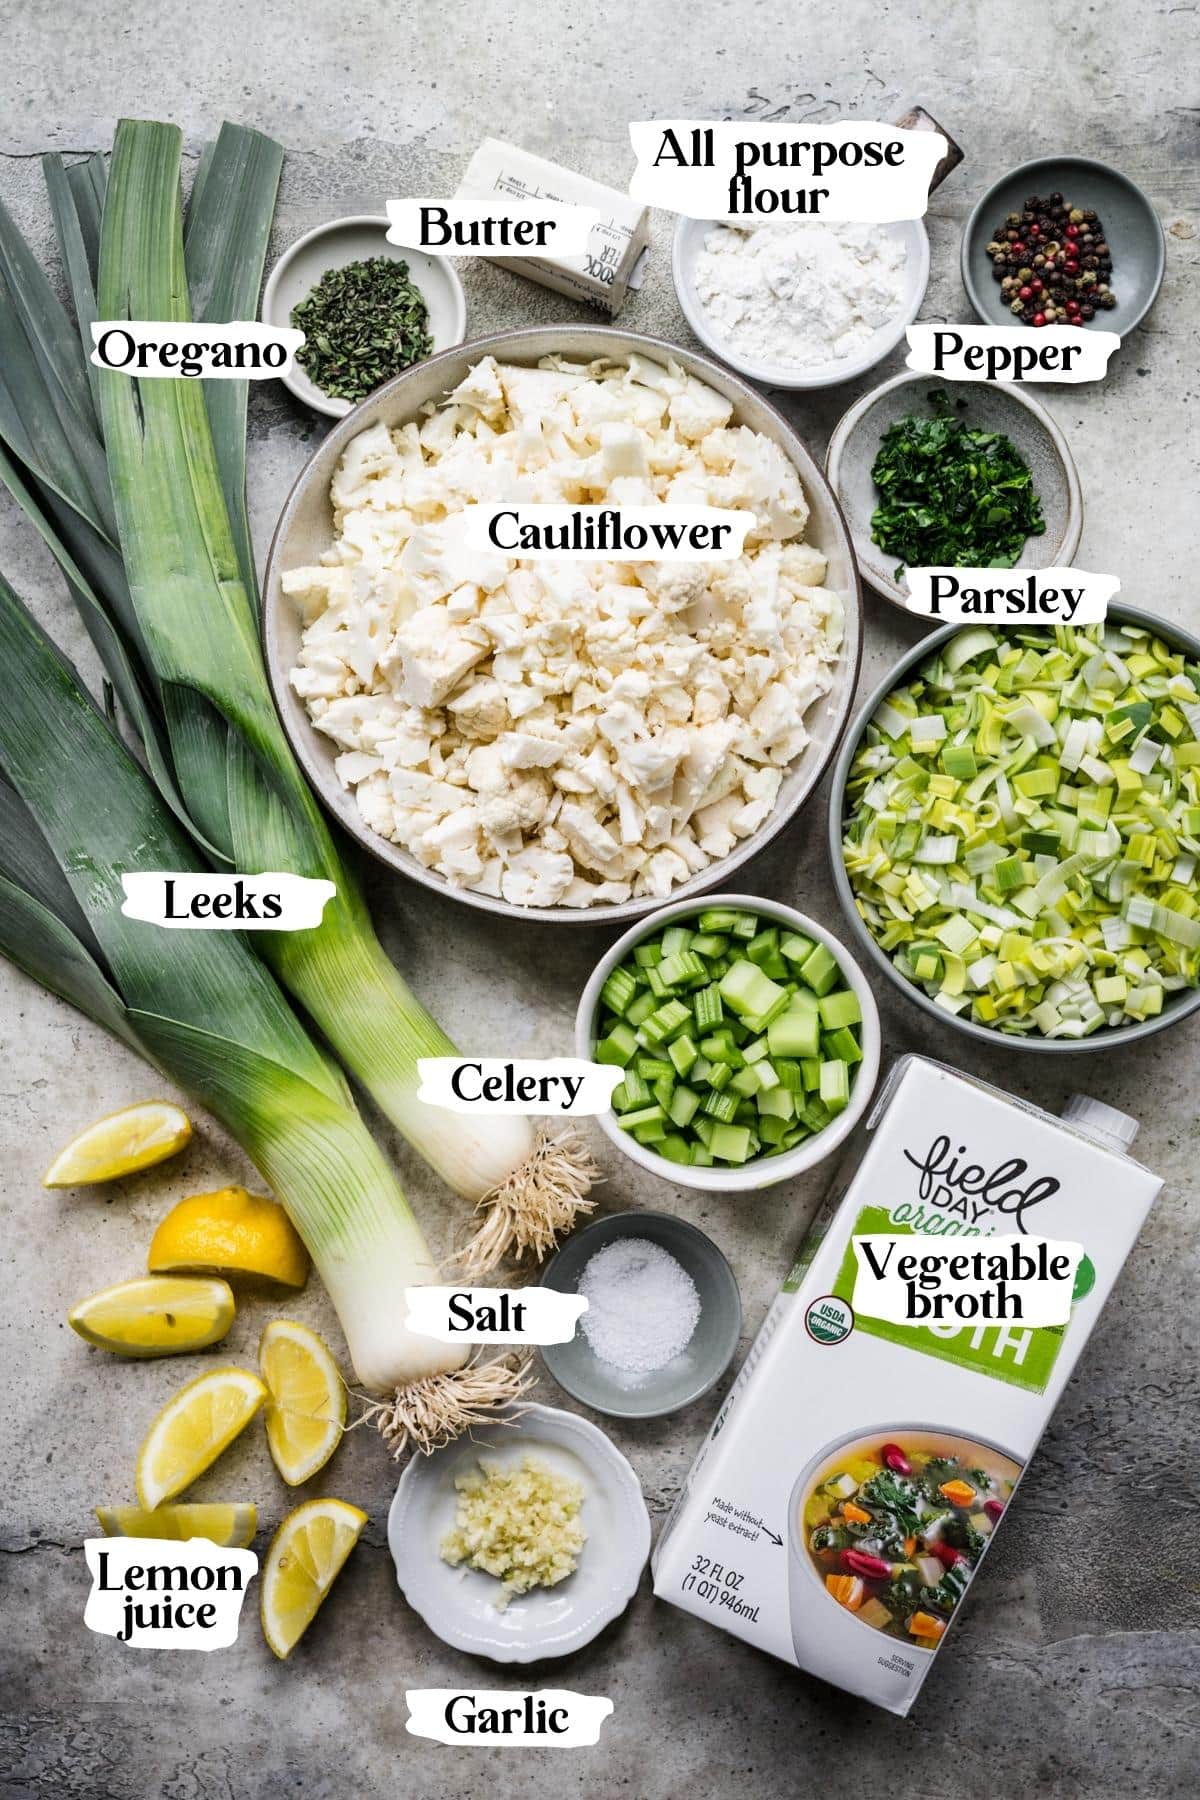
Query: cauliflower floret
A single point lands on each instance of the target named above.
(435, 654)
(537, 878)
(698, 410)
(479, 710)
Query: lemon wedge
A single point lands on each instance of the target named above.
(305, 1558)
(155, 1315)
(120, 1144)
(230, 1232)
(232, 1525)
(306, 1405)
(192, 1429)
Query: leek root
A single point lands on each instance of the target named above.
(428, 1413)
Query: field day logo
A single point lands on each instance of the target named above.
(971, 1193)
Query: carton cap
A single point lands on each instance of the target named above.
(1098, 1120)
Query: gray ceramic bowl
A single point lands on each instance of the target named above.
(696, 1369)
(1177, 1006)
(995, 406)
(357, 239)
(1131, 227)
(305, 530)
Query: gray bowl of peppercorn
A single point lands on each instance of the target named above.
(1063, 240)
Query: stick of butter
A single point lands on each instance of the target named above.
(609, 267)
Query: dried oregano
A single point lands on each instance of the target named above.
(362, 324)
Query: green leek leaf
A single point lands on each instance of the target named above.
(225, 248)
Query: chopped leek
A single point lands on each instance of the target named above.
(1013, 884)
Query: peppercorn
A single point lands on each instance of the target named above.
(1054, 250)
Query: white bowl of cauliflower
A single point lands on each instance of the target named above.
(561, 739)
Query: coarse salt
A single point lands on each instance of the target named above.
(642, 1305)
(797, 296)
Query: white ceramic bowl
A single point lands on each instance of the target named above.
(457, 1604)
(349, 240)
(689, 242)
(767, 1171)
(305, 532)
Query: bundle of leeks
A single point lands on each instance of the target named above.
(139, 488)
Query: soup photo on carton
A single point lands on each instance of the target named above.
(880, 1519)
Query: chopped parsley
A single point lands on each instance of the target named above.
(952, 494)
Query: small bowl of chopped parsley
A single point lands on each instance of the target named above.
(970, 476)
(368, 310)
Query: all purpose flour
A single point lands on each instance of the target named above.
(796, 296)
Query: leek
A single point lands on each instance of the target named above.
(207, 1013)
(144, 508)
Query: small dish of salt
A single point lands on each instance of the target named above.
(663, 1315)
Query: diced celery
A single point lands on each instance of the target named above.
(744, 925)
(720, 1106)
(644, 1115)
(653, 1132)
(747, 991)
(630, 1093)
(841, 1008)
(619, 990)
(841, 1045)
(763, 944)
(717, 918)
(675, 1148)
(794, 1033)
(788, 1073)
(683, 1054)
(620, 1046)
(795, 947)
(835, 1086)
(707, 1008)
(684, 1105)
(778, 1103)
(731, 1143)
(819, 969)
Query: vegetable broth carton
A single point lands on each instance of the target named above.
(858, 1469)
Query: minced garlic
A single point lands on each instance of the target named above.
(519, 1523)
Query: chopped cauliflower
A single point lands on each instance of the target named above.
(558, 732)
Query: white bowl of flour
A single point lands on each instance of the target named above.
(801, 304)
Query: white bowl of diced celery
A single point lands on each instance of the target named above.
(747, 1037)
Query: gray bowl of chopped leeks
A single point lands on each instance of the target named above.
(306, 530)
(1177, 1005)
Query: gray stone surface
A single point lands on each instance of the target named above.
(1075, 1670)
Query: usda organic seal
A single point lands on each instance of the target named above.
(829, 1320)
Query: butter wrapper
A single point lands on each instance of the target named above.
(611, 264)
